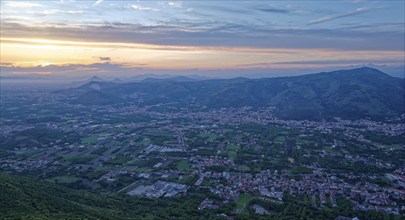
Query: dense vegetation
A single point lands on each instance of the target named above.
(27, 198)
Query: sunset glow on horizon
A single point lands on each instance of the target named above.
(155, 35)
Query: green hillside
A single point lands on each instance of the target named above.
(28, 198)
(25, 198)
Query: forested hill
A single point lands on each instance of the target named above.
(22, 197)
(27, 198)
(352, 94)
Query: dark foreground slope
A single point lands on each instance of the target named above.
(27, 198)
(353, 94)
(24, 198)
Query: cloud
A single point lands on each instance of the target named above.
(209, 10)
(16, 4)
(105, 58)
(73, 12)
(139, 7)
(54, 11)
(345, 61)
(71, 69)
(335, 17)
(175, 4)
(6, 64)
(97, 2)
(273, 10)
(210, 33)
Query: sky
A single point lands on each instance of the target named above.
(210, 38)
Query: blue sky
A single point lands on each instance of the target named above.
(261, 38)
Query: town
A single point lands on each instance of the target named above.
(244, 156)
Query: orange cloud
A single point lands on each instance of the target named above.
(41, 52)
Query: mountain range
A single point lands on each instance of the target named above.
(351, 94)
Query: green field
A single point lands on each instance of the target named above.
(302, 141)
(232, 155)
(257, 169)
(279, 139)
(33, 153)
(243, 201)
(243, 168)
(328, 149)
(89, 140)
(129, 168)
(64, 179)
(144, 169)
(79, 159)
(301, 170)
(183, 165)
(232, 147)
(144, 142)
(111, 150)
(209, 136)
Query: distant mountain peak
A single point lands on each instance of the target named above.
(356, 72)
(118, 80)
(170, 79)
(367, 69)
(91, 79)
(96, 78)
